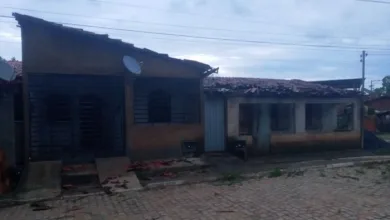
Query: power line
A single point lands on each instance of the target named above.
(154, 23)
(225, 39)
(168, 25)
(173, 25)
(374, 1)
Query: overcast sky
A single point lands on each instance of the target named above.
(273, 24)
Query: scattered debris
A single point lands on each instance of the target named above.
(168, 174)
(40, 206)
(68, 187)
(141, 166)
(107, 190)
(108, 179)
(74, 208)
(360, 171)
(295, 173)
(348, 177)
(123, 186)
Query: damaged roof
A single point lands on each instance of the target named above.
(27, 20)
(16, 66)
(238, 86)
(355, 83)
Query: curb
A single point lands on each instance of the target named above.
(368, 160)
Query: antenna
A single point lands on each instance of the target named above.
(132, 65)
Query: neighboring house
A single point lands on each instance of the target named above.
(380, 104)
(81, 102)
(10, 91)
(278, 115)
(381, 107)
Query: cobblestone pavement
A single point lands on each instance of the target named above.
(344, 193)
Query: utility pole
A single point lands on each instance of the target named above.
(362, 108)
(363, 60)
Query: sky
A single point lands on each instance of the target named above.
(270, 38)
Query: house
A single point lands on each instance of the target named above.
(275, 116)
(380, 104)
(81, 102)
(10, 127)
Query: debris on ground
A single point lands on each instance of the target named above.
(107, 190)
(74, 208)
(40, 206)
(348, 177)
(295, 173)
(142, 166)
(168, 174)
(68, 187)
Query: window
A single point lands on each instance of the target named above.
(246, 119)
(58, 108)
(166, 100)
(159, 107)
(313, 116)
(282, 117)
(345, 117)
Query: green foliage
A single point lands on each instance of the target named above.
(275, 173)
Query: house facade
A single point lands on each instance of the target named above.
(275, 116)
(81, 102)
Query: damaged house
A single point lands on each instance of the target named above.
(81, 102)
(275, 116)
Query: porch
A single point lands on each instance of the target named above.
(294, 124)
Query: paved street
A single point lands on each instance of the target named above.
(344, 193)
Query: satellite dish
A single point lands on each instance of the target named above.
(132, 65)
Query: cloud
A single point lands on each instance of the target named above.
(338, 23)
(10, 36)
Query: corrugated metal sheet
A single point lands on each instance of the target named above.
(214, 124)
(75, 116)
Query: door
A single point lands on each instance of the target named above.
(75, 118)
(214, 124)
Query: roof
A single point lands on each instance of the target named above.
(239, 86)
(373, 99)
(342, 83)
(28, 20)
(16, 66)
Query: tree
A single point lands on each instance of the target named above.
(379, 91)
(386, 85)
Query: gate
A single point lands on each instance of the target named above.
(75, 118)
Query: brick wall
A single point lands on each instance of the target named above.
(49, 50)
(54, 51)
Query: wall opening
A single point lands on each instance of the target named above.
(345, 117)
(246, 122)
(282, 118)
(313, 117)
